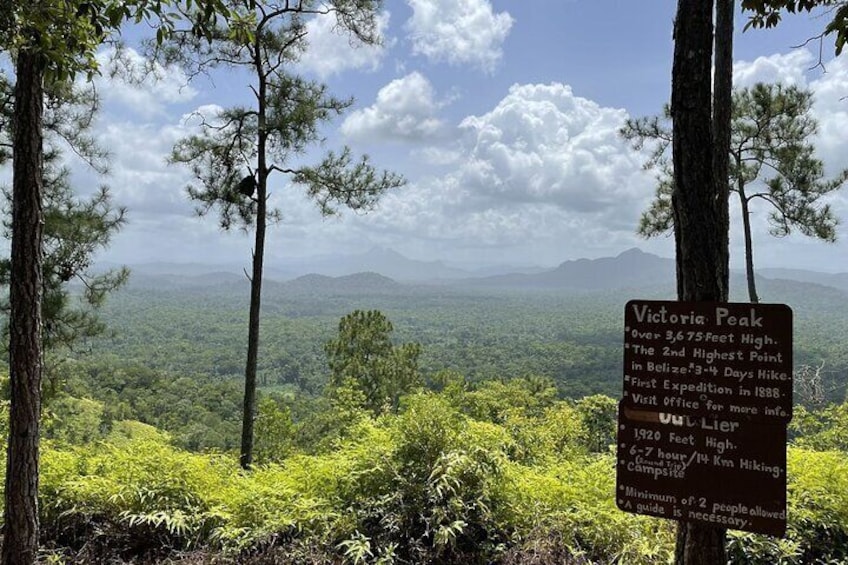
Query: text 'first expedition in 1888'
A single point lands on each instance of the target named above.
(702, 422)
(721, 360)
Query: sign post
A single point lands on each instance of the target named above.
(702, 423)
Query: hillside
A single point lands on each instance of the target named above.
(630, 269)
(562, 325)
(507, 439)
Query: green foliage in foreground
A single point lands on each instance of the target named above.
(429, 484)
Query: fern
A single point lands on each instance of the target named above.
(357, 549)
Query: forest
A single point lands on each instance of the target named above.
(571, 339)
(500, 448)
(251, 418)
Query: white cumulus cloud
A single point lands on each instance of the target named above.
(789, 68)
(543, 144)
(405, 109)
(466, 32)
(542, 166)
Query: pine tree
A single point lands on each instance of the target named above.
(239, 150)
(698, 223)
(364, 358)
(772, 160)
(74, 228)
(50, 41)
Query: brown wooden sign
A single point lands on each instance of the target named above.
(722, 360)
(729, 473)
(702, 424)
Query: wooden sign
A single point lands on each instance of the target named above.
(724, 360)
(702, 423)
(726, 473)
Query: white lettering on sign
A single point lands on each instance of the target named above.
(723, 318)
(646, 314)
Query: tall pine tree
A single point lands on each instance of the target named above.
(771, 161)
(50, 42)
(241, 149)
(74, 228)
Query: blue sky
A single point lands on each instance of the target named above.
(501, 115)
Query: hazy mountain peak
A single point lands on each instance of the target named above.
(368, 277)
(632, 252)
(630, 269)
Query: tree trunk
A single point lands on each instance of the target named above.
(698, 237)
(699, 544)
(722, 108)
(249, 408)
(20, 543)
(749, 246)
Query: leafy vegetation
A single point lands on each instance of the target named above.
(768, 13)
(502, 473)
(492, 464)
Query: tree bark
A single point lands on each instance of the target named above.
(698, 237)
(722, 108)
(249, 407)
(749, 246)
(20, 542)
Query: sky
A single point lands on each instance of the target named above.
(502, 116)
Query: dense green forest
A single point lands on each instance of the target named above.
(140, 463)
(169, 347)
(501, 452)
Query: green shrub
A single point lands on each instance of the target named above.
(73, 420)
(432, 501)
(429, 484)
(568, 508)
(821, 430)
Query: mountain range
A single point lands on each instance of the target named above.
(387, 262)
(384, 268)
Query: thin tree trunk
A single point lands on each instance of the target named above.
(749, 246)
(698, 238)
(722, 108)
(249, 408)
(20, 543)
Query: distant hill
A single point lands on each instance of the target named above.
(159, 268)
(631, 269)
(803, 297)
(358, 283)
(836, 280)
(174, 281)
(381, 260)
(200, 270)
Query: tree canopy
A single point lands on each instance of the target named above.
(74, 228)
(772, 159)
(67, 33)
(768, 13)
(364, 358)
